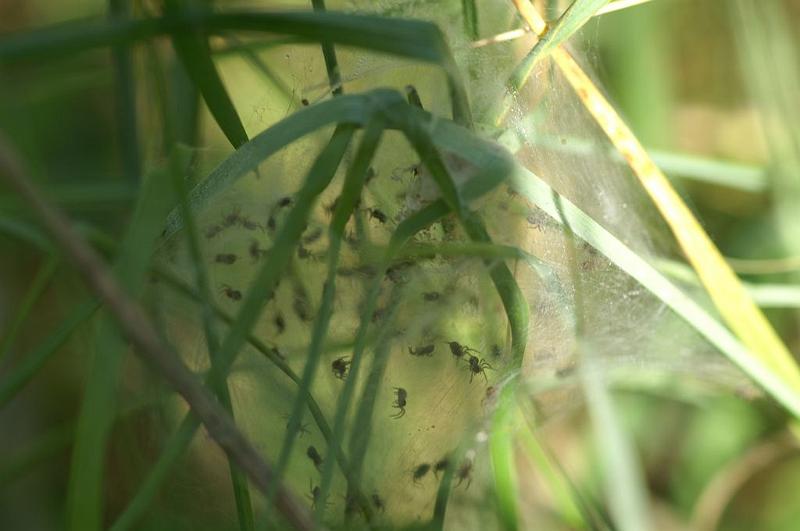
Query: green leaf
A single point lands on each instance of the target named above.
(412, 39)
(195, 54)
(85, 492)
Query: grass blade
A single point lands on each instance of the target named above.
(573, 19)
(411, 39)
(30, 365)
(195, 53)
(37, 287)
(84, 495)
(126, 98)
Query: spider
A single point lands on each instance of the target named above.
(249, 224)
(225, 258)
(478, 366)
(458, 350)
(233, 294)
(255, 251)
(280, 323)
(440, 466)
(213, 230)
(229, 220)
(374, 213)
(420, 471)
(313, 454)
(399, 402)
(339, 367)
(312, 236)
(464, 472)
(426, 350)
(378, 502)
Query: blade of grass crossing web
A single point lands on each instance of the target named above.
(419, 40)
(85, 492)
(329, 54)
(501, 451)
(540, 194)
(470, 13)
(719, 280)
(345, 206)
(37, 287)
(573, 19)
(362, 423)
(241, 490)
(195, 53)
(125, 97)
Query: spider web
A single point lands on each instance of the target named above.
(636, 340)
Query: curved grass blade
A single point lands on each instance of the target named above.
(195, 53)
(37, 287)
(345, 206)
(719, 280)
(30, 365)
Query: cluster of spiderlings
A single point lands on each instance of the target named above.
(462, 473)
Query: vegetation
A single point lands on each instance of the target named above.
(399, 264)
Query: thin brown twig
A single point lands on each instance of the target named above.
(138, 329)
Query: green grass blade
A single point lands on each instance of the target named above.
(411, 39)
(85, 493)
(470, 12)
(126, 98)
(540, 194)
(573, 19)
(195, 54)
(329, 53)
(562, 489)
(31, 363)
(37, 287)
(501, 450)
(174, 450)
